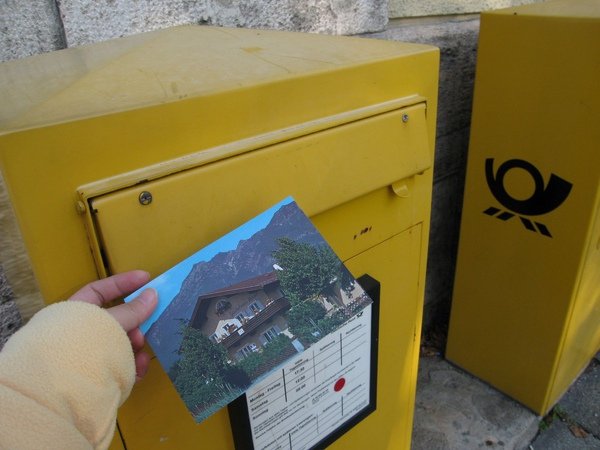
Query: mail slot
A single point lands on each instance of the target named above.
(147, 148)
(526, 306)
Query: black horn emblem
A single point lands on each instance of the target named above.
(544, 199)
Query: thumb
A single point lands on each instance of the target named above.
(131, 315)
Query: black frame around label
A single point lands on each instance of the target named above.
(238, 409)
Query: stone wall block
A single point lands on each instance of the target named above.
(29, 27)
(87, 22)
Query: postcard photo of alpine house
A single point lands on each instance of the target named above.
(237, 309)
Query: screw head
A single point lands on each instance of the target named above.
(404, 117)
(145, 198)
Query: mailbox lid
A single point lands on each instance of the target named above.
(321, 170)
(170, 65)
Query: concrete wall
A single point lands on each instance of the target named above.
(86, 22)
(38, 26)
(28, 28)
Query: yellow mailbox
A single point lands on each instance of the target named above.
(217, 125)
(526, 307)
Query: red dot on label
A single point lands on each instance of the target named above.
(339, 384)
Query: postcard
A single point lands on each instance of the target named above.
(239, 309)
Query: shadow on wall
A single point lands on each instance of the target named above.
(19, 294)
(457, 39)
(10, 319)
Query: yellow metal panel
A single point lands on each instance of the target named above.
(172, 65)
(582, 334)
(402, 277)
(155, 417)
(561, 9)
(193, 207)
(219, 124)
(518, 292)
(362, 232)
(46, 157)
(117, 442)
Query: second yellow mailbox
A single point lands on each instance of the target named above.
(526, 306)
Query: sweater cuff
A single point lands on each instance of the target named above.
(75, 360)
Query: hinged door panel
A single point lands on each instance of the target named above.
(155, 224)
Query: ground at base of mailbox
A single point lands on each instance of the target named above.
(455, 410)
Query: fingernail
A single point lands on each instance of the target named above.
(147, 297)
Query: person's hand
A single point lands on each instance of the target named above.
(129, 315)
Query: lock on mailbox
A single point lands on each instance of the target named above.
(152, 146)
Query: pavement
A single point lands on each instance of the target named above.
(456, 411)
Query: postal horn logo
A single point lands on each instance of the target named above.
(546, 197)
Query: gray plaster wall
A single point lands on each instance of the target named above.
(29, 27)
(37, 26)
(86, 22)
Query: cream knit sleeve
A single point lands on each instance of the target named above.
(62, 378)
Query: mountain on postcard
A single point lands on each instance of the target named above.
(252, 257)
(239, 308)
